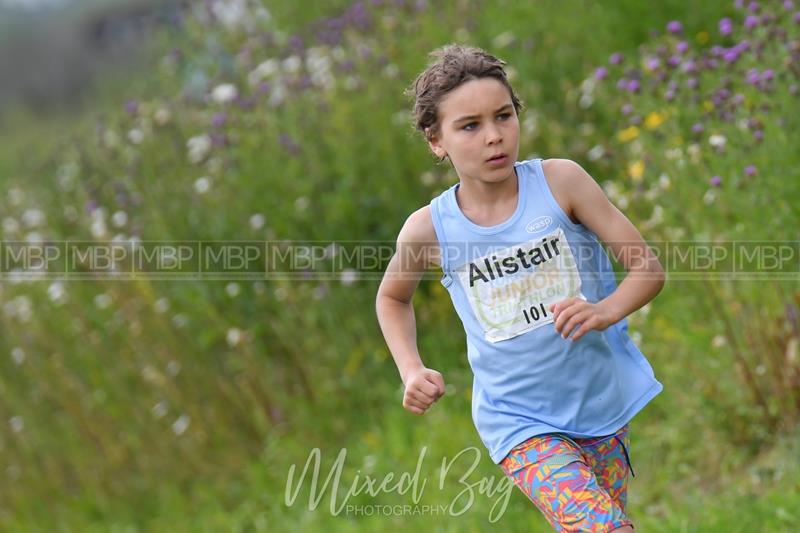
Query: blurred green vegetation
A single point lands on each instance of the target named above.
(147, 405)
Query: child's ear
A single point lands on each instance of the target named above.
(435, 146)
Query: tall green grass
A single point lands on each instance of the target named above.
(161, 404)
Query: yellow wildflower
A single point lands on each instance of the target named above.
(677, 140)
(708, 105)
(654, 119)
(636, 170)
(628, 134)
(702, 37)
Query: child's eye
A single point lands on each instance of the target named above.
(467, 127)
(504, 115)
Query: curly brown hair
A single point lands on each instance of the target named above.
(450, 66)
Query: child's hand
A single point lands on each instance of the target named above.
(423, 387)
(573, 311)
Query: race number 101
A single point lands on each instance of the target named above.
(535, 313)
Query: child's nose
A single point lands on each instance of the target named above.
(493, 134)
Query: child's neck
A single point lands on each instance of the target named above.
(482, 201)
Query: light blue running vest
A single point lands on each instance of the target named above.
(528, 380)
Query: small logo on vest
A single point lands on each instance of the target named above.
(538, 224)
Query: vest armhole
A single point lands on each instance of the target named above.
(438, 228)
(549, 197)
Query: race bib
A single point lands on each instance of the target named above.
(510, 290)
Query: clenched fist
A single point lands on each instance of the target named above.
(423, 387)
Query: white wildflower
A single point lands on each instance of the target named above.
(264, 70)
(717, 141)
(301, 203)
(10, 225)
(161, 306)
(233, 337)
(119, 218)
(16, 424)
(102, 300)
(224, 93)
(292, 64)
(257, 221)
(18, 355)
(136, 136)
(33, 217)
(162, 116)
(159, 409)
(198, 147)
(232, 289)
(56, 292)
(202, 185)
(596, 152)
(348, 276)
(181, 424)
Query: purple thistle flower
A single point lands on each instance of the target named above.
(615, 58)
(622, 83)
(738, 4)
(263, 87)
(292, 147)
(767, 75)
(674, 61)
(693, 83)
(715, 181)
(626, 109)
(793, 89)
(600, 73)
(750, 170)
(219, 120)
(797, 17)
(711, 63)
(788, 5)
(698, 128)
(725, 26)
(717, 50)
(653, 63)
(690, 67)
(674, 27)
(296, 43)
(633, 86)
(219, 140)
(751, 21)
(682, 47)
(753, 7)
(132, 107)
(752, 76)
(669, 95)
(758, 134)
(731, 55)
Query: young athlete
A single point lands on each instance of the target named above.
(557, 379)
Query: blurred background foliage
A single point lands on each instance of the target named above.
(152, 404)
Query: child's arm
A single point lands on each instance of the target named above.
(645, 277)
(416, 250)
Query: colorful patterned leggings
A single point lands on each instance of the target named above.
(578, 484)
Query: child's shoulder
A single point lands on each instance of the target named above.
(418, 234)
(419, 226)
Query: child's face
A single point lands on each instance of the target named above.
(478, 121)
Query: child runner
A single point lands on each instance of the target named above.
(557, 379)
